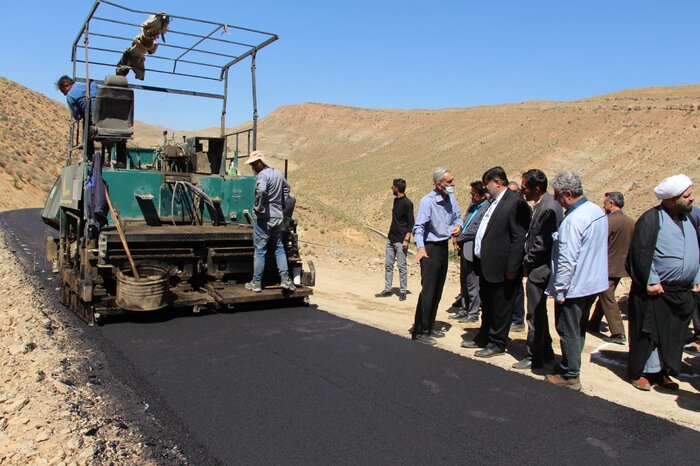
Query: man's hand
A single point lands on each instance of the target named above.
(456, 231)
(456, 245)
(404, 245)
(655, 290)
(696, 288)
(420, 255)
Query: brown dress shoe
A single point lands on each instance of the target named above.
(642, 383)
(560, 380)
(666, 382)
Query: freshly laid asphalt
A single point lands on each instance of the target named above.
(302, 386)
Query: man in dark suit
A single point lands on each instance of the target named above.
(498, 256)
(537, 267)
(620, 231)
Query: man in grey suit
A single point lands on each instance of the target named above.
(546, 217)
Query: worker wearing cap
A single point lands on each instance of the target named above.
(271, 190)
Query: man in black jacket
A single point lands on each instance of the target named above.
(398, 240)
(537, 267)
(498, 252)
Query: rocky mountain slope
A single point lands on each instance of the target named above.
(345, 158)
(342, 159)
(625, 141)
(33, 144)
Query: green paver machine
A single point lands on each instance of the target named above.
(176, 230)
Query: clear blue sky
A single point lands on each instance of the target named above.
(395, 54)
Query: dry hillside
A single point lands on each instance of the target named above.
(342, 159)
(346, 157)
(33, 144)
(625, 141)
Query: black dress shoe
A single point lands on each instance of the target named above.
(402, 296)
(489, 352)
(383, 294)
(436, 333)
(523, 364)
(425, 339)
(471, 344)
(468, 319)
(618, 339)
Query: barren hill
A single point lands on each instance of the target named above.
(345, 158)
(625, 141)
(33, 144)
(342, 159)
(33, 131)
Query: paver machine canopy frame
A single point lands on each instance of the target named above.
(207, 55)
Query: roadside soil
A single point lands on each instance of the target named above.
(58, 403)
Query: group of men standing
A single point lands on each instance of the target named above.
(568, 248)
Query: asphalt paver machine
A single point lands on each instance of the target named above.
(145, 229)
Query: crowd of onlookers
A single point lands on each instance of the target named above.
(567, 248)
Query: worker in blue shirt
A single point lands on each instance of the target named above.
(76, 95)
(76, 98)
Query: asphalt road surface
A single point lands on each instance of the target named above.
(302, 386)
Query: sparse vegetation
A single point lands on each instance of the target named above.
(342, 159)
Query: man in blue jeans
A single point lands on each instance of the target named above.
(579, 272)
(397, 240)
(271, 189)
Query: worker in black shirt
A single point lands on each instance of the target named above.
(397, 240)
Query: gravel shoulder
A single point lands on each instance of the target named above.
(59, 402)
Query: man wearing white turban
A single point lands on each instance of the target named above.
(664, 264)
(673, 186)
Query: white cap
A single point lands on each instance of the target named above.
(672, 186)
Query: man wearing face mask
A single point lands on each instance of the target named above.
(271, 190)
(498, 252)
(438, 219)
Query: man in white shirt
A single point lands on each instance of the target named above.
(498, 260)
